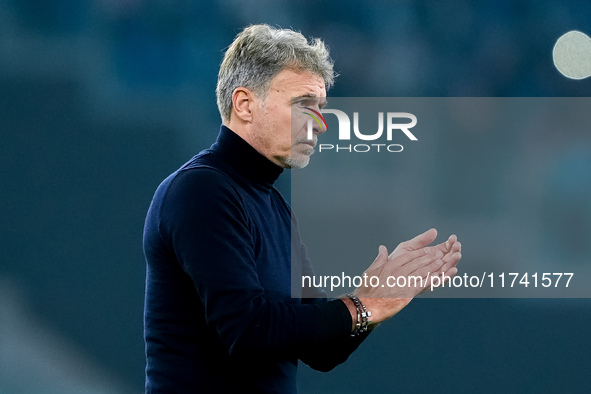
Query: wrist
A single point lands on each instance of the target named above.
(383, 309)
(352, 310)
(361, 315)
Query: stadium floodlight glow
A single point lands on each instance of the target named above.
(572, 55)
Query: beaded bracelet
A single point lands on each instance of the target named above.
(363, 315)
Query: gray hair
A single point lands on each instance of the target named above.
(259, 53)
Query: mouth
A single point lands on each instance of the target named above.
(306, 141)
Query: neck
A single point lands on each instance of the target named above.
(246, 131)
(243, 158)
(240, 127)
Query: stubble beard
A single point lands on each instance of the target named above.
(298, 160)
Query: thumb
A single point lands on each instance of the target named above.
(380, 259)
(421, 240)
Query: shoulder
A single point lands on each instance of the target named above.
(199, 185)
(200, 198)
(201, 177)
(205, 170)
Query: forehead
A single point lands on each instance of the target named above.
(294, 84)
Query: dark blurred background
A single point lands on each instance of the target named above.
(100, 100)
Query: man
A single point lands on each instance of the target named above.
(219, 312)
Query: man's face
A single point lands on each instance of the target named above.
(281, 138)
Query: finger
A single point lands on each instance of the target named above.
(447, 245)
(419, 281)
(408, 260)
(444, 247)
(456, 248)
(448, 275)
(450, 242)
(430, 269)
(420, 241)
(451, 272)
(451, 263)
(417, 266)
(380, 259)
(427, 266)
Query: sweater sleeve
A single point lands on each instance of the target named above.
(202, 221)
(334, 351)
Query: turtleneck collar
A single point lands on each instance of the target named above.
(245, 159)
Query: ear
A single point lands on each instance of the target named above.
(242, 102)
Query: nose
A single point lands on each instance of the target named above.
(315, 127)
(316, 122)
(319, 129)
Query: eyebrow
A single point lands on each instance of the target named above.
(321, 104)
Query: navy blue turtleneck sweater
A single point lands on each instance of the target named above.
(221, 249)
